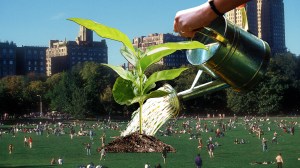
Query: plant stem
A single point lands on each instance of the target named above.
(141, 119)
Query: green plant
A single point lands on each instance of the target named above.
(134, 86)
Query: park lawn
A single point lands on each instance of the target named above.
(228, 155)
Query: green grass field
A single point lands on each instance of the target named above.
(228, 155)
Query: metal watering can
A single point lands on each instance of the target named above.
(235, 58)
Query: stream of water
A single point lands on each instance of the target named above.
(155, 113)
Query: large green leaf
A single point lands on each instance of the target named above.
(123, 91)
(122, 72)
(128, 55)
(163, 75)
(154, 56)
(105, 31)
(157, 52)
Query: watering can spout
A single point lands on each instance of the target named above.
(203, 89)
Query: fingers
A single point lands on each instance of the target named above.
(188, 34)
(175, 26)
(184, 32)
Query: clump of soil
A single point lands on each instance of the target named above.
(136, 142)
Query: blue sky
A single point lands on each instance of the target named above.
(35, 22)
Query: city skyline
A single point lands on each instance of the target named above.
(36, 22)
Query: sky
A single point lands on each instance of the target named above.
(36, 22)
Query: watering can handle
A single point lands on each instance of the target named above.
(206, 31)
(245, 25)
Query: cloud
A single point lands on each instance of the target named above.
(58, 16)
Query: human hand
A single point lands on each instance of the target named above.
(188, 22)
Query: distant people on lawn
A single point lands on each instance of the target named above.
(274, 139)
(10, 148)
(264, 145)
(102, 153)
(52, 162)
(60, 161)
(200, 143)
(88, 149)
(102, 138)
(25, 141)
(210, 148)
(236, 141)
(147, 165)
(91, 134)
(279, 160)
(157, 166)
(164, 154)
(198, 161)
(91, 165)
(30, 142)
(72, 132)
(292, 130)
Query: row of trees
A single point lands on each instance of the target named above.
(86, 90)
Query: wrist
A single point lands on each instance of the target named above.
(209, 13)
(214, 8)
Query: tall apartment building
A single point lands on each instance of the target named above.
(31, 60)
(235, 16)
(272, 24)
(62, 55)
(266, 20)
(7, 59)
(176, 59)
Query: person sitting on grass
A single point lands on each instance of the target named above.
(243, 141)
(60, 161)
(52, 162)
(157, 166)
(147, 165)
(236, 141)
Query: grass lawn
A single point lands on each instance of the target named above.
(228, 155)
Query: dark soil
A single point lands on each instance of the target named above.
(136, 142)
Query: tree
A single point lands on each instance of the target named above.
(97, 79)
(13, 88)
(269, 96)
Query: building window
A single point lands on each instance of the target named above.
(11, 62)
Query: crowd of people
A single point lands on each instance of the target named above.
(196, 128)
(62, 128)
